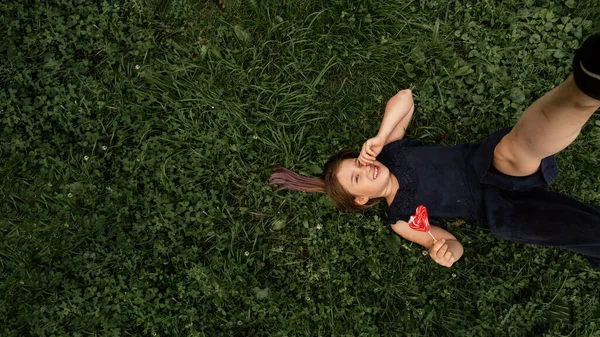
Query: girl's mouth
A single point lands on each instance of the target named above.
(375, 172)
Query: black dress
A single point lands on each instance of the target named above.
(461, 182)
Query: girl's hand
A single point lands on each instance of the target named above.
(370, 149)
(440, 253)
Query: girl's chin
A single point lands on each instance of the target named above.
(383, 174)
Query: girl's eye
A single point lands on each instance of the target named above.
(356, 178)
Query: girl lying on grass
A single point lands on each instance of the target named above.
(501, 182)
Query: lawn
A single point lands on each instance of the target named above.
(137, 139)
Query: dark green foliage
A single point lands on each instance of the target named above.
(137, 139)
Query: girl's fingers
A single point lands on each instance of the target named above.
(449, 256)
(366, 158)
(442, 251)
(373, 152)
(370, 151)
(367, 150)
(436, 247)
(441, 254)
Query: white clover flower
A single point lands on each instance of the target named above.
(86, 158)
(255, 137)
(453, 275)
(70, 195)
(104, 147)
(137, 67)
(319, 226)
(247, 253)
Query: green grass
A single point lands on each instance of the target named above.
(137, 139)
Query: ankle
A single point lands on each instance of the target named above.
(576, 96)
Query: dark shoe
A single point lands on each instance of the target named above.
(586, 66)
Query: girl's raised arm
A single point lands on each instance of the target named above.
(398, 113)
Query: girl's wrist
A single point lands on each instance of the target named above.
(382, 137)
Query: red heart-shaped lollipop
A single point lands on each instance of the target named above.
(420, 221)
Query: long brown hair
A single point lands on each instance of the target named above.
(326, 183)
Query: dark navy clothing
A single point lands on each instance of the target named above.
(435, 176)
(461, 182)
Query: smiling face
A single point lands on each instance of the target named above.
(364, 182)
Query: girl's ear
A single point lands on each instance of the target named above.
(361, 200)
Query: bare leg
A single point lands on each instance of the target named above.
(549, 125)
(554, 121)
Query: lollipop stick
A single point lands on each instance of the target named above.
(428, 232)
(434, 239)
